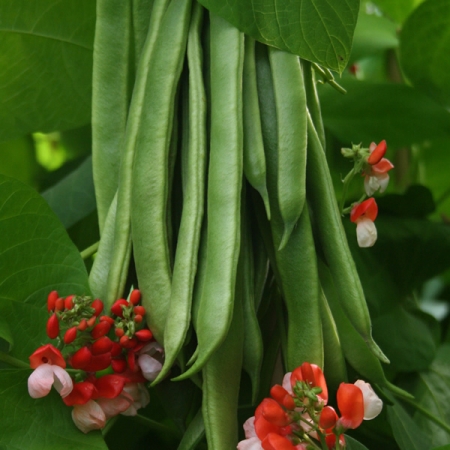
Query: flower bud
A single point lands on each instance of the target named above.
(135, 296)
(139, 310)
(117, 309)
(118, 365)
(274, 413)
(97, 304)
(70, 335)
(101, 345)
(53, 326)
(144, 335)
(82, 325)
(100, 329)
(59, 304)
(51, 300)
(81, 358)
(68, 302)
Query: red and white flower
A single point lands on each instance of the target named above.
(376, 171)
(364, 215)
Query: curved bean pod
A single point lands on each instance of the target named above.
(334, 241)
(290, 102)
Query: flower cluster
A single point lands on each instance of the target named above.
(297, 416)
(370, 162)
(99, 363)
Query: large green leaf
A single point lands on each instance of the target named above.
(46, 65)
(36, 256)
(432, 392)
(317, 30)
(424, 49)
(42, 424)
(407, 435)
(372, 112)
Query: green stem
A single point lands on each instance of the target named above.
(346, 182)
(88, 252)
(13, 361)
(427, 414)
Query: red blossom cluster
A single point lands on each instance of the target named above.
(108, 358)
(297, 416)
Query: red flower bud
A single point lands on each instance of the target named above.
(70, 335)
(139, 310)
(131, 360)
(81, 358)
(59, 304)
(98, 362)
(119, 332)
(118, 365)
(116, 349)
(274, 413)
(107, 319)
(68, 302)
(100, 329)
(116, 308)
(51, 300)
(138, 318)
(81, 394)
(91, 321)
(377, 154)
(144, 335)
(53, 326)
(135, 296)
(101, 345)
(109, 386)
(97, 304)
(127, 342)
(82, 325)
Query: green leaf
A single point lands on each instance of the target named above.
(406, 433)
(424, 49)
(36, 257)
(316, 30)
(432, 392)
(46, 65)
(353, 444)
(409, 344)
(372, 112)
(38, 424)
(397, 10)
(194, 433)
(73, 198)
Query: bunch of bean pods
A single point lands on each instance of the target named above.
(211, 179)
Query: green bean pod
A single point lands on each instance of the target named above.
(150, 169)
(290, 102)
(141, 11)
(110, 98)
(254, 158)
(253, 346)
(193, 434)
(221, 380)
(334, 241)
(355, 348)
(224, 190)
(185, 267)
(294, 265)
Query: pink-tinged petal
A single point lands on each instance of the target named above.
(41, 381)
(383, 181)
(47, 354)
(89, 416)
(372, 403)
(249, 427)
(150, 366)
(287, 383)
(114, 406)
(152, 348)
(63, 383)
(366, 233)
(351, 405)
(383, 166)
(250, 444)
(368, 208)
(372, 146)
(371, 185)
(140, 396)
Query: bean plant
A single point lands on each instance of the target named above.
(223, 228)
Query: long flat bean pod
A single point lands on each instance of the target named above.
(221, 379)
(334, 242)
(185, 267)
(224, 189)
(140, 12)
(290, 102)
(254, 158)
(150, 170)
(110, 98)
(294, 265)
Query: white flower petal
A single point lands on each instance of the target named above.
(114, 406)
(249, 427)
(383, 181)
(40, 381)
(140, 395)
(89, 416)
(371, 184)
(150, 366)
(372, 403)
(250, 444)
(287, 383)
(63, 383)
(366, 232)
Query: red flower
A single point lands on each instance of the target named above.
(47, 354)
(313, 375)
(364, 215)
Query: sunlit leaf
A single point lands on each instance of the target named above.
(317, 30)
(397, 10)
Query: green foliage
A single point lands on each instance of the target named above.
(313, 29)
(46, 65)
(424, 49)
